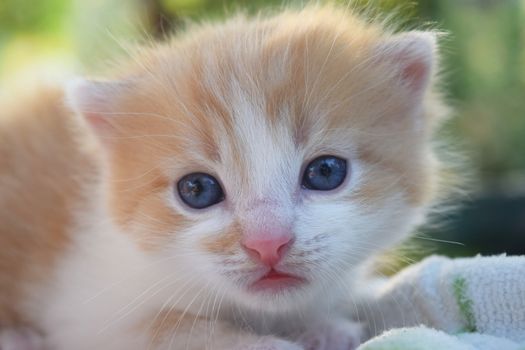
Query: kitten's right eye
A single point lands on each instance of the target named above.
(200, 190)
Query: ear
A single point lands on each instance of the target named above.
(96, 101)
(411, 57)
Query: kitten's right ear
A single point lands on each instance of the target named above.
(411, 56)
(96, 102)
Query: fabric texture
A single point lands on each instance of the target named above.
(442, 303)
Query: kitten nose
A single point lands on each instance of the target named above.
(268, 250)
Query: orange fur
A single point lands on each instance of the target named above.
(44, 165)
(224, 242)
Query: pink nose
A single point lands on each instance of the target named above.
(268, 250)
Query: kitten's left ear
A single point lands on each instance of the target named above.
(411, 57)
(97, 102)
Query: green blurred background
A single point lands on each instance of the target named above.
(483, 56)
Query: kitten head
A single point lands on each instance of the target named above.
(270, 157)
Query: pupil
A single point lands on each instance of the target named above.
(325, 170)
(195, 187)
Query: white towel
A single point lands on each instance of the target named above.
(480, 296)
(422, 338)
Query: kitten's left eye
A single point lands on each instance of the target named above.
(200, 190)
(324, 173)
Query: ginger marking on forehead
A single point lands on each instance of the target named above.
(209, 112)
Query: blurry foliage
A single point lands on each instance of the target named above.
(30, 15)
(486, 65)
(483, 55)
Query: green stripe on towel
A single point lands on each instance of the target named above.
(464, 303)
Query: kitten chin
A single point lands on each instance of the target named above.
(242, 175)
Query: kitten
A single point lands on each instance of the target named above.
(243, 175)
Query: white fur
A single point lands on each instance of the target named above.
(20, 339)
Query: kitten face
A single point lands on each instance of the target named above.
(251, 104)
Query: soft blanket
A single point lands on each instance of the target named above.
(464, 304)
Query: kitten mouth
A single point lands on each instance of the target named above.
(276, 281)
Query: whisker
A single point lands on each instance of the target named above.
(440, 240)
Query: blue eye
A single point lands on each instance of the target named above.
(200, 190)
(324, 173)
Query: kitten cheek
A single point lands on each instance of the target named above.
(226, 242)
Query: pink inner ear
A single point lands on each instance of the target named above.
(98, 122)
(93, 100)
(416, 74)
(411, 54)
